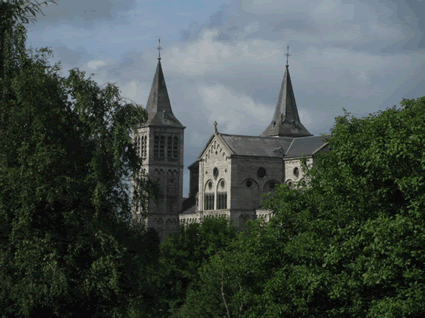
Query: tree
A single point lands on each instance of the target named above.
(66, 246)
(13, 14)
(348, 245)
(182, 254)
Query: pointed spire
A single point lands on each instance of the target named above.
(158, 105)
(286, 121)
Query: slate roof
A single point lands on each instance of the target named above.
(255, 145)
(305, 146)
(286, 121)
(191, 210)
(158, 105)
(194, 165)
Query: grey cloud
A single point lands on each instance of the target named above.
(293, 24)
(216, 19)
(129, 61)
(85, 13)
(387, 14)
(68, 56)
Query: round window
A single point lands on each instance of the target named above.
(272, 185)
(296, 172)
(222, 184)
(261, 172)
(215, 172)
(210, 185)
(171, 180)
(249, 183)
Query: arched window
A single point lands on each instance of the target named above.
(161, 147)
(209, 196)
(143, 147)
(156, 147)
(221, 200)
(176, 147)
(137, 144)
(169, 147)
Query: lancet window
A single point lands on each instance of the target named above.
(161, 147)
(209, 201)
(143, 146)
(176, 147)
(221, 200)
(156, 147)
(137, 144)
(169, 147)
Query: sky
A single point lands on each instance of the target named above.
(224, 60)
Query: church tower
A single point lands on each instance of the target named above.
(161, 143)
(286, 121)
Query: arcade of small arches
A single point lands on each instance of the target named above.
(187, 221)
(215, 149)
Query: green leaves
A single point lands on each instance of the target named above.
(349, 245)
(66, 244)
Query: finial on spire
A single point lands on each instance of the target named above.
(287, 55)
(215, 127)
(159, 49)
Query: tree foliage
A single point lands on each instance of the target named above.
(66, 244)
(182, 254)
(348, 242)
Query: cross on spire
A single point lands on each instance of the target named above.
(159, 49)
(287, 55)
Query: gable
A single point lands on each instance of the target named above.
(215, 144)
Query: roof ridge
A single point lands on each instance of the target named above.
(270, 137)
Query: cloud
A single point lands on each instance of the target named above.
(85, 13)
(233, 112)
(94, 65)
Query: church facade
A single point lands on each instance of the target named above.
(231, 173)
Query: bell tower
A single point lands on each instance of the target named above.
(161, 143)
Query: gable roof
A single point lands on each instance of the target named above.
(256, 146)
(305, 146)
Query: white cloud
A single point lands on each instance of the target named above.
(94, 65)
(136, 91)
(233, 112)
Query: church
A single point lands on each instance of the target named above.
(231, 173)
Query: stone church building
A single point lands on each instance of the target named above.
(232, 171)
